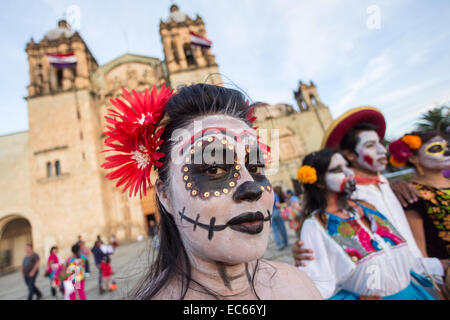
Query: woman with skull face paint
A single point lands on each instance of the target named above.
(359, 254)
(429, 218)
(214, 200)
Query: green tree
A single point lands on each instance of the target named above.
(435, 119)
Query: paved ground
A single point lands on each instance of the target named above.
(129, 262)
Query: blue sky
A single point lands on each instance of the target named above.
(264, 47)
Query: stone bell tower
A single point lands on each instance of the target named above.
(46, 78)
(307, 97)
(308, 100)
(187, 63)
(64, 139)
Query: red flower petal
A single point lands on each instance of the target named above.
(132, 131)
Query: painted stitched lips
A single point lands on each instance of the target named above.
(248, 222)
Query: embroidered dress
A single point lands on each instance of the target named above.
(434, 208)
(383, 198)
(352, 260)
(75, 270)
(74, 278)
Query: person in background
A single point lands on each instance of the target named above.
(99, 255)
(359, 253)
(278, 228)
(84, 250)
(74, 279)
(53, 272)
(30, 270)
(106, 248)
(153, 231)
(114, 241)
(107, 272)
(359, 134)
(292, 199)
(446, 172)
(429, 218)
(293, 212)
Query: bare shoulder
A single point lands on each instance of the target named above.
(287, 282)
(170, 291)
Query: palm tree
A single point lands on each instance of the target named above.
(435, 119)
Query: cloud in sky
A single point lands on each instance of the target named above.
(264, 47)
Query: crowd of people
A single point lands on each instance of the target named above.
(361, 243)
(355, 238)
(68, 276)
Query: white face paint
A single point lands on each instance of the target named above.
(339, 177)
(371, 153)
(435, 154)
(203, 213)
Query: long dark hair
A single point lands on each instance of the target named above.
(76, 250)
(279, 191)
(184, 107)
(314, 194)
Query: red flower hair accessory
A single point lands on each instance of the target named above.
(251, 114)
(133, 131)
(264, 147)
(401, 149)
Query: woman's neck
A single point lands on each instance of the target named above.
(360, 172)
(221, 278)
(337, 204)
(433, 178)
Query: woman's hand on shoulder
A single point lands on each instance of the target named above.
(301, 254)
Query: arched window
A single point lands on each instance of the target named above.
(176, 57)
(305, 106)
(313, 99)
(205, 55)
(190, 59)
(49, 169)
(57, 168)
(73, 73)
(59, 77)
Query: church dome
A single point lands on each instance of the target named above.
(63, 29)
(176, 15)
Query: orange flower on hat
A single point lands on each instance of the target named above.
(413, 142)
(307, 175)
(396, 163)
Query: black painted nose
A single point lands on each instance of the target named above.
(248, 191)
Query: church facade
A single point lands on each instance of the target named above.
(53, 188)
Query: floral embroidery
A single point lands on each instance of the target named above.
(380, 221)
(353, 253)
(437, 203)
(355, 240)
(426, 195)
(386, 234)
(365, 240)
(346, 230)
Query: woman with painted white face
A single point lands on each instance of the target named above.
(214, 200)
(358, 253)
(428, 152)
